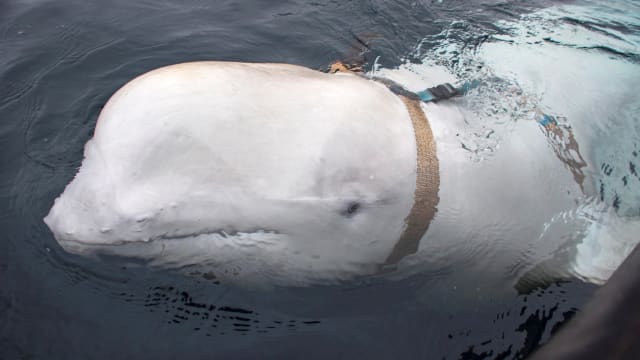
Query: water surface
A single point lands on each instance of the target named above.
(61, 60)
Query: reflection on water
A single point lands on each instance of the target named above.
(60, 62)
(210, 318)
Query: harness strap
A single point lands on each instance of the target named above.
(427, 185)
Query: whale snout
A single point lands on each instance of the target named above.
(72, 226)
(82, 217)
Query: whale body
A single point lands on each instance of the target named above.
(268, 169)
(279, 174)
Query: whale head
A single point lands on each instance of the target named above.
(182, 172)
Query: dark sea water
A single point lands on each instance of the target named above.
(60, 61)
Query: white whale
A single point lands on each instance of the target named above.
(278, 174)
(266, 169)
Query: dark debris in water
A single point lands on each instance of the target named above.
(617, 183)
(181, 309)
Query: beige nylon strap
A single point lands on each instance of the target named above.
(427, 185)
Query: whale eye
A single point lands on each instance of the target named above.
(351, 209)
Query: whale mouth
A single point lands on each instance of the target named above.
(80, 247)
(84, 248)
(122, 252)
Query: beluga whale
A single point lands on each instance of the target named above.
(262, 173)
(254, 171)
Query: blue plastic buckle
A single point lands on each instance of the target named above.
(545, 120)
(425, 95)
